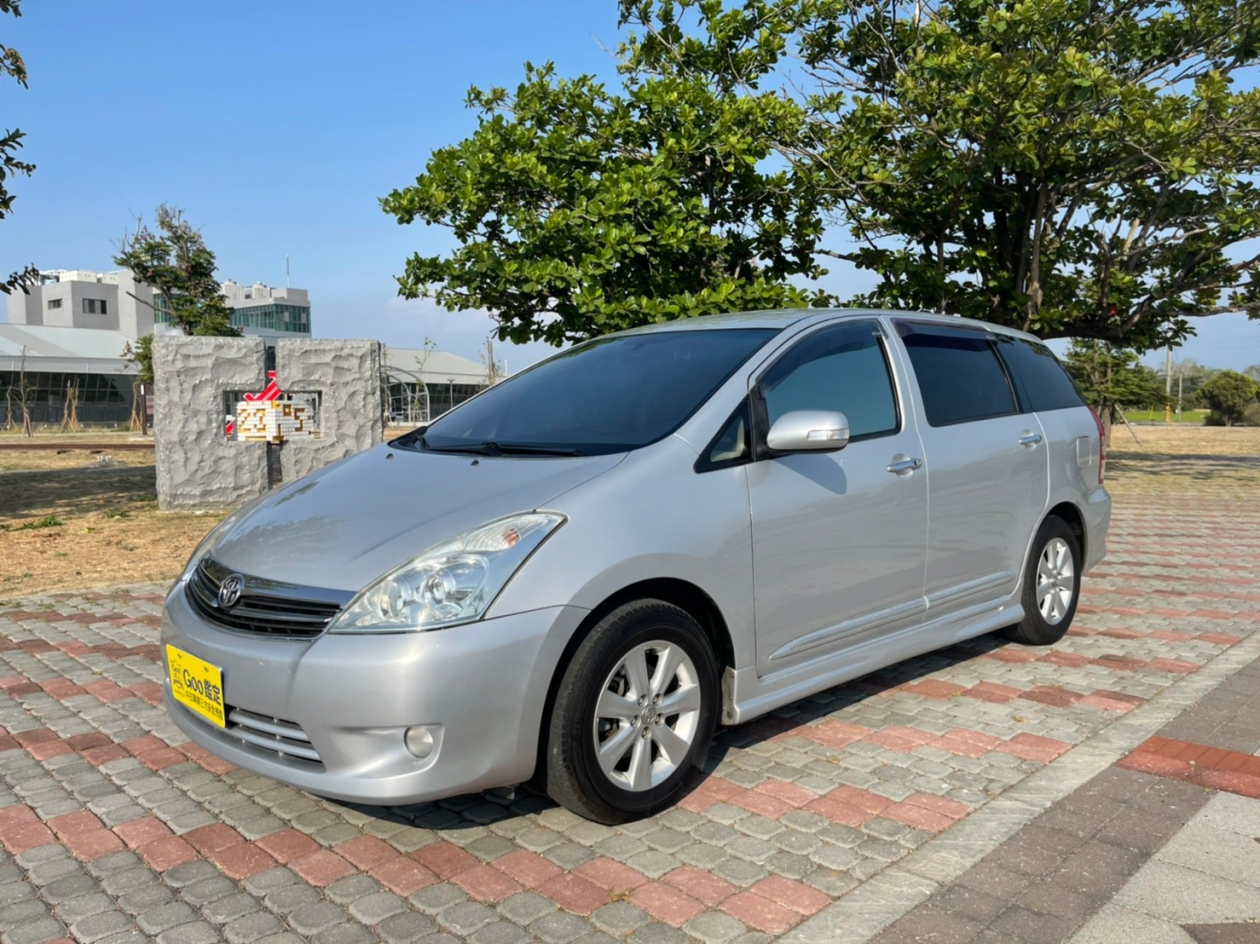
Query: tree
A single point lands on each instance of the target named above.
(1229, 394)
(581, 209)
(175, 262)
(12, 65)
(1080, 168)
(1253, 372)
(1112, 378)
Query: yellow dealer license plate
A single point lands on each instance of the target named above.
(196, 684)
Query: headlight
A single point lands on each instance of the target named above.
(452, 583)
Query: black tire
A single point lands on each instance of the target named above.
(1035, 629)
(575, 778)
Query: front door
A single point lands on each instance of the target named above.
(839, 539)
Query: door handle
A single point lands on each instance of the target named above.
(905, 465)
(1030, 439)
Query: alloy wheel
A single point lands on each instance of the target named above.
(1056, 581)
(647, 716)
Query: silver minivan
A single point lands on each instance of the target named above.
(575, 576)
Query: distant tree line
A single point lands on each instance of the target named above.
(1113, 379)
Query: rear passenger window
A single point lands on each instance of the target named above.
(841, 369)
(960, 377)
(1045, 384)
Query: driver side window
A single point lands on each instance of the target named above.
(843, 369)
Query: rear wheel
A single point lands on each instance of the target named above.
(1052, 585)
(634, 714)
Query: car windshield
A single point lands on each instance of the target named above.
(605, 396)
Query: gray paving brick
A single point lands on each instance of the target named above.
(195, 932)
(499, 932)
(619, 918)
(227, 908)
(156, 920)
(559, 928)
(465, 918)
(310, 919)
(435, 898)
(344, 934)
(251, 927)
(36, 931)
(657, 933)
(352, 888)
(405, 927)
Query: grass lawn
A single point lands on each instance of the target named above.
(1188, 417)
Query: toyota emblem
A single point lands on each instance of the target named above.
(230, 591)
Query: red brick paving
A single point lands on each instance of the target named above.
(528, 868)
(242, 860)
(404, 876)
(322, 868)
(761, 913)
(288, 845)
(1201, 764)
(574, 893)
(666, 903)
(701, 885)
(444, 859)
(485, 883)
(610, 875)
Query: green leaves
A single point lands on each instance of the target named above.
(175, 262)
(1229, 394)
(12, 65)
(1064, 166)
(1070, 167)
(581, 209)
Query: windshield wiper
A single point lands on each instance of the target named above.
(526, 449)
(491, 448)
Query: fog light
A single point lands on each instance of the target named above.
(419, 741)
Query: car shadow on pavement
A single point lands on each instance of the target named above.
(476, 810)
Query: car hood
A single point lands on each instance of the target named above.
(351, 522)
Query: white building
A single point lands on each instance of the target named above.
(77, 330)
(73, 333)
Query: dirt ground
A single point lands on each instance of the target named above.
(72, 518)
(75, 519)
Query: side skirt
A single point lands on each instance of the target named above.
(747, 695)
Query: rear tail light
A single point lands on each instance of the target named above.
(1102, 443)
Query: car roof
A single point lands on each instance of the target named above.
(782, 318)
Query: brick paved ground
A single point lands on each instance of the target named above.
(829, 821)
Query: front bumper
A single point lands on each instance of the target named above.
(481, 688)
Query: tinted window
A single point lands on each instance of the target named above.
(842, 369)
(1046, 385)
(606, 396)
(960, 377)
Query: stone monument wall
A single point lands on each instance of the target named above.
(200, 466)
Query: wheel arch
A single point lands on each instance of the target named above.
(1075, 520)
(683, 594)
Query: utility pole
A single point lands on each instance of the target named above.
(1168, 386)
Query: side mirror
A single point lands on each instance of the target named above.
(809, 431)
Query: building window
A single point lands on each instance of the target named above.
(94, 306)
(54, 303)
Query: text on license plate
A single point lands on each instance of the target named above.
(196, 684)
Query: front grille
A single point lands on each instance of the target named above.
(264, 606)
(284, 738)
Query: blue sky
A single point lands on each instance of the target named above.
(278, 125)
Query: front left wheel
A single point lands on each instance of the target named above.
(633, 715)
